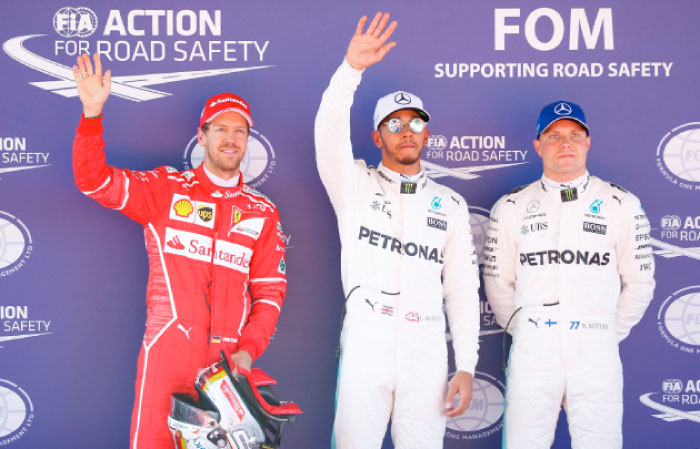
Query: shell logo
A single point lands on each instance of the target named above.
(183, 208)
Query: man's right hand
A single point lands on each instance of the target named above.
(92, 88)
(370, 47)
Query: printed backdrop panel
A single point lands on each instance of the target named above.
(73, 274)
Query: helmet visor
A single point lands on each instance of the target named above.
(184, 411)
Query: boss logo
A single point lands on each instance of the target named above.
(595, 228)
(437, 223)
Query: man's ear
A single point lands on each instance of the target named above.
(536, 144)
(201, 137)
(377, 138)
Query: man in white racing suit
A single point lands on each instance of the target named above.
(406, 245)
(568, 271)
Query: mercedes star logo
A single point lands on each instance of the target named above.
(562, 109)
(402, 98)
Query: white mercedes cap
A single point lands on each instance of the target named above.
(396, 101)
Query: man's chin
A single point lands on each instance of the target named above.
(409, 160)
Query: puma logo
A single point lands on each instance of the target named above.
(536, 323)
(370, 304)
(186, 331)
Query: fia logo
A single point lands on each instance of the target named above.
(670, 222)
(75, 22)
(676, 401)
(437, 142)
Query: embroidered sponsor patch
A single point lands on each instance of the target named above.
(595, 228)
(252, 227)
(437, 223)
(199, 247)
(201, 213)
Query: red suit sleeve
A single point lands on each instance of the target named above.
(134, 193)
(268, 285)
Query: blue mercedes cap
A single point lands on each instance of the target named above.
(560, 110)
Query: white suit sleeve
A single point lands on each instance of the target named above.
(334, 157)
(460, 277)
(635, 263)
(499, 264)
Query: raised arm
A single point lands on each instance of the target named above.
(93, 88)
(132, 193)
(369, 47)
(332, 128)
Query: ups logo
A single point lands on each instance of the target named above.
(205, 213)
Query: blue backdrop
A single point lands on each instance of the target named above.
(73, 275)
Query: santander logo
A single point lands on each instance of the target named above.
(201, 247)
(175, 243)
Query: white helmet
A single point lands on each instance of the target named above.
(233, 411)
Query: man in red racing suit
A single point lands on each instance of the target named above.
(216, 254)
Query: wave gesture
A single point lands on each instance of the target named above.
(369, 47)
(92, 88)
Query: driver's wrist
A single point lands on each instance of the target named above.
(354, 66)
(92, 112)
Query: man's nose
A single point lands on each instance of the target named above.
(565, 140)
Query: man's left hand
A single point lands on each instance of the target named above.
(243, 359)
(461, 383)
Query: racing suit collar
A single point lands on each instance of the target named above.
(554, 188)
(221, 182)
(406, 184)
(213, 189)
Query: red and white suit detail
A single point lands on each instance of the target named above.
(217, 272)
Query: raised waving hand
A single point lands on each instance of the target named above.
(369, 47)
(93, 89)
